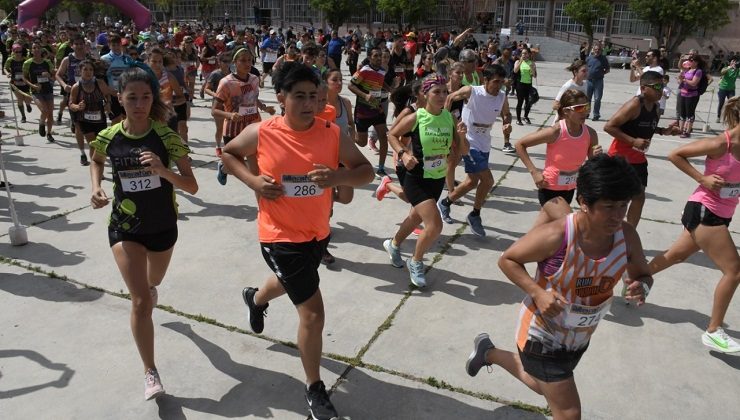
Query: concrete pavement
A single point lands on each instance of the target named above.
(390, 353)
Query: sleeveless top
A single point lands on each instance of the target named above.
(143, 202)
(94, 104)
(34, 72)
(479, 114)
(585, 282)
(643, 127)
(525, 73)
(342, 119)
(15, 68)
(474, 82)
(431, 140)
(722, 202)
(564, 157)
(73, 70)
(301, 214)
(165, 89)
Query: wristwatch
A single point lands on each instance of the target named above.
(400, 153)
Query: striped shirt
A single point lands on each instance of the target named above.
(369, 80)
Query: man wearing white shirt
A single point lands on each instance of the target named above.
(652, 63)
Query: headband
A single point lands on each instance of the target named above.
(431, 81)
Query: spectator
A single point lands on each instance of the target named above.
(598, 66)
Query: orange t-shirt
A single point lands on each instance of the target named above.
(302, 213)
(328, 114)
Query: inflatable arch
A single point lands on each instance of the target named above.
(30, 10)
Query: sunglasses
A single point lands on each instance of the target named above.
(656, 86)
(581, 108)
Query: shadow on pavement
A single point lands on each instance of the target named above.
(240, 212)
(14, 162)
(63, 381)
(40, 253)
(45, 288)
(732, 360)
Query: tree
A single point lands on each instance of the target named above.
(84, 8)
(406, 11)
(673, 21)
(166, 5)
(336, 12)
(587, 13)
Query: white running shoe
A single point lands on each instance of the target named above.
(720, 341)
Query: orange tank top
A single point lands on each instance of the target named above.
(286, 155)
(564, 157)
(328, 114)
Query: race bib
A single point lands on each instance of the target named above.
(376, 93)
(270, 56)
(481, 129)
(300, 186)
(247, 110)
(435, 163)
(136, 180)
(18, 77)
(92, 116)
(211, 61)
(42, 80)
(400, 69)
(567, 178)
(580, 316)
(730, 191)
(78, 78)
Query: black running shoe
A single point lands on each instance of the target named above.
(28, 108)
(256, 313)
(23, 119)
(50, 138)
(42, 130)
(84, 161)
(59, 119)
(319, 404)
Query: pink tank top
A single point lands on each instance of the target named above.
(564, 157)
(722, 202)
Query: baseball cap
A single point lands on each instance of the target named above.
(272, 32)
(410, 35)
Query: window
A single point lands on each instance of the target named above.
(564, 23)
(299, 11)
(532, 13)
(625, 22)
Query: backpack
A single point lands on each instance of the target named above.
(703, 83)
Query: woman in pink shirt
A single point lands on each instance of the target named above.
(707, 216)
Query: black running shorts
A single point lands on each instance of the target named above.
(296, 265)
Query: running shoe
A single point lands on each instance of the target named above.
(527, 120)
(382, 189)
(476, 225)
(256, 314)
(718, 121)
(394, 253)
(2, 184)
(720, 341)
(327, 258)
(416, 273)
(373, 146)
(519, 122)
(155, 295)
(218, 152)
(23, 119)
(72, 127)
(220, 174)
(444, 211)
(202, 93)
(50, 138)
(380, 173)
(596, 118)
(318, 401)
(84, 161)
(481, 344)
(28, 108)
(59, 119)
(418, 230)
(152, 385)
(42, 130)
(508, 149)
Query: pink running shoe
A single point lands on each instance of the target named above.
(155, 295)
(372, 142)
(218, 152)
(152, 385)
(382, 189)
(417, 231)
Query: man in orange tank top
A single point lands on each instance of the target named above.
(293, 170)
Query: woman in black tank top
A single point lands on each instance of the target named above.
(89, 106)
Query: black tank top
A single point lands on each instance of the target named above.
(644, 125)
(94, 105)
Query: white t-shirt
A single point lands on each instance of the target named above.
(667, 92)
(648, 68)
(571, 84)
(479, 113)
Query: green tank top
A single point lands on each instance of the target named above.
(474, 82)
(431, 140)
(525, 72)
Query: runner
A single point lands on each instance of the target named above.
(208, 61)
(433, 133)
(68, 73)
(294, 197)
(569, 144)
(62, 50)
(14, 70)
(116, 65)
(368, 85)
(37, 73)
(211, 86)
(237, 103)
(707, 216)
(143, 222)
(189, 57)
(89, 102)
(269, 49)
(632, 127)
(580, 72)
(484, 104)
(580, 259)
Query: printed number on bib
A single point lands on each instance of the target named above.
(436, 162)
(18, 77)
(247, 110)
(400, 69)
(376, 93)
(481, 129)
(270, 57)
(137, 180)
(300, 186)
(211, 61)
(580, 316)
(92, 116)
(42, 80)
(730, 191)
(567, 178)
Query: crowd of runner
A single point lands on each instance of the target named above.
(129, 96)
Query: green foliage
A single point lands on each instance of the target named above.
(587, 13)
(336, 11)
(9, 5)
(673, 21)
(406, 11)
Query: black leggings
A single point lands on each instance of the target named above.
(522, 94)
(686, 107)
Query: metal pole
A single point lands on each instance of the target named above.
(709, 111)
